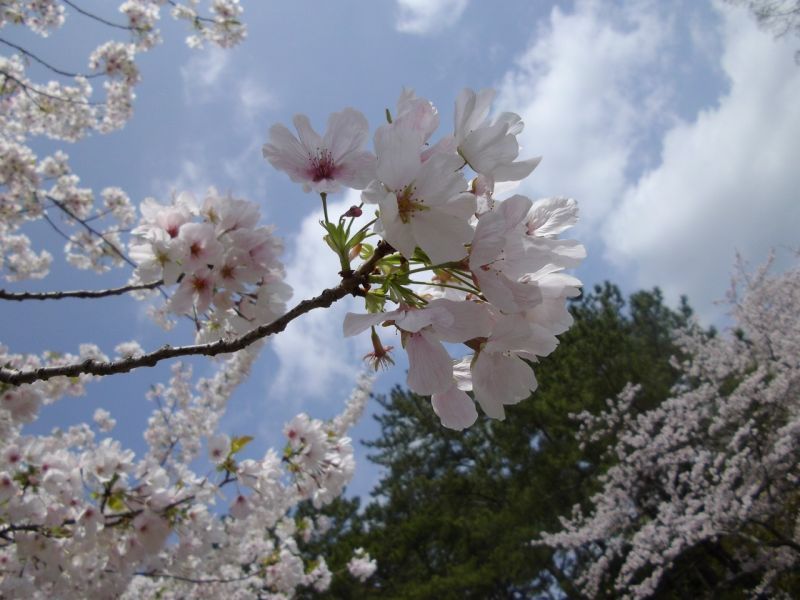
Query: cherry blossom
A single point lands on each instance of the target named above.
(423, 331)
(361, 566)
(69, 109)
(490, 148)
(421, 204)
(81, 515)
(715, 466)
(324, 164)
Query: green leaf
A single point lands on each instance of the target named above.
(366, 251)
(240, 442)
(375, 302)
(115, 503)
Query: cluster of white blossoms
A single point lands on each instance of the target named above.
(498, 283)
(714, 468)
(225, 264)
(68, 108)
(81, 517)
(361, 566)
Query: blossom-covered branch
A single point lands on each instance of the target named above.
(69, 110)
(350, 284)
(713, 471)
(107, 520)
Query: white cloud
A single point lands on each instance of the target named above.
(428, 16)
(202, 73)
(192, 177)
(314, 358)
(668, 199)
(586, 90)
(728, 180)
(254, 98)
(209, 76)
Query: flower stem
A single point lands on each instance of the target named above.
(324, 197)
(444, 265)
(447, 285)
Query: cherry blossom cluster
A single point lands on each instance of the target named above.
(498, 281)
(361, 566)
(68, 108)
(223, 29)
(41, 16)
(81, 517)
(225, 264)
(715, 468)
(21, 404)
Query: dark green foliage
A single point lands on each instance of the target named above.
(455, 512)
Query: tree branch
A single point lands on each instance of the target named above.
(349, 285)
(92, 230)
(155, 574)
(20, 296)
(96, 18)
(44, 63)
(198, 18)
(30, 89)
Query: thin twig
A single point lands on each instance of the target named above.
(44, 63)
(58, 295)
(96, 18)
(55, 227)
(28, 89)
(63, 207)
(191, 580)
(349, 285)
(99, 215)
(197, 18)
(92, 230)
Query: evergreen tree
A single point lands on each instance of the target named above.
(455, 512)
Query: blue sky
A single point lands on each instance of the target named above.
(674, 124)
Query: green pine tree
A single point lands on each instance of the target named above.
(454, 513)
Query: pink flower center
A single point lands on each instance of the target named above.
(199, 284)
(322, 165)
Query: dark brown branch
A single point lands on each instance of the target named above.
(44, 63)
(64, 208)
(92, 230)
(349, 285)
(96, 18)
(155, 574)
(29, 89)
(20, 296)
(780, 539)
(55, 227)
(119, 518)
(205, 19)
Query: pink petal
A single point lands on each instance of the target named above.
(498, 379)
(347, 133)
(430, 368)
(356, 323)
(309, 138)
(286, 153)
(454, 408)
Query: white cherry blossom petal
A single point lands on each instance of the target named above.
(430, 368)
(455, 408)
